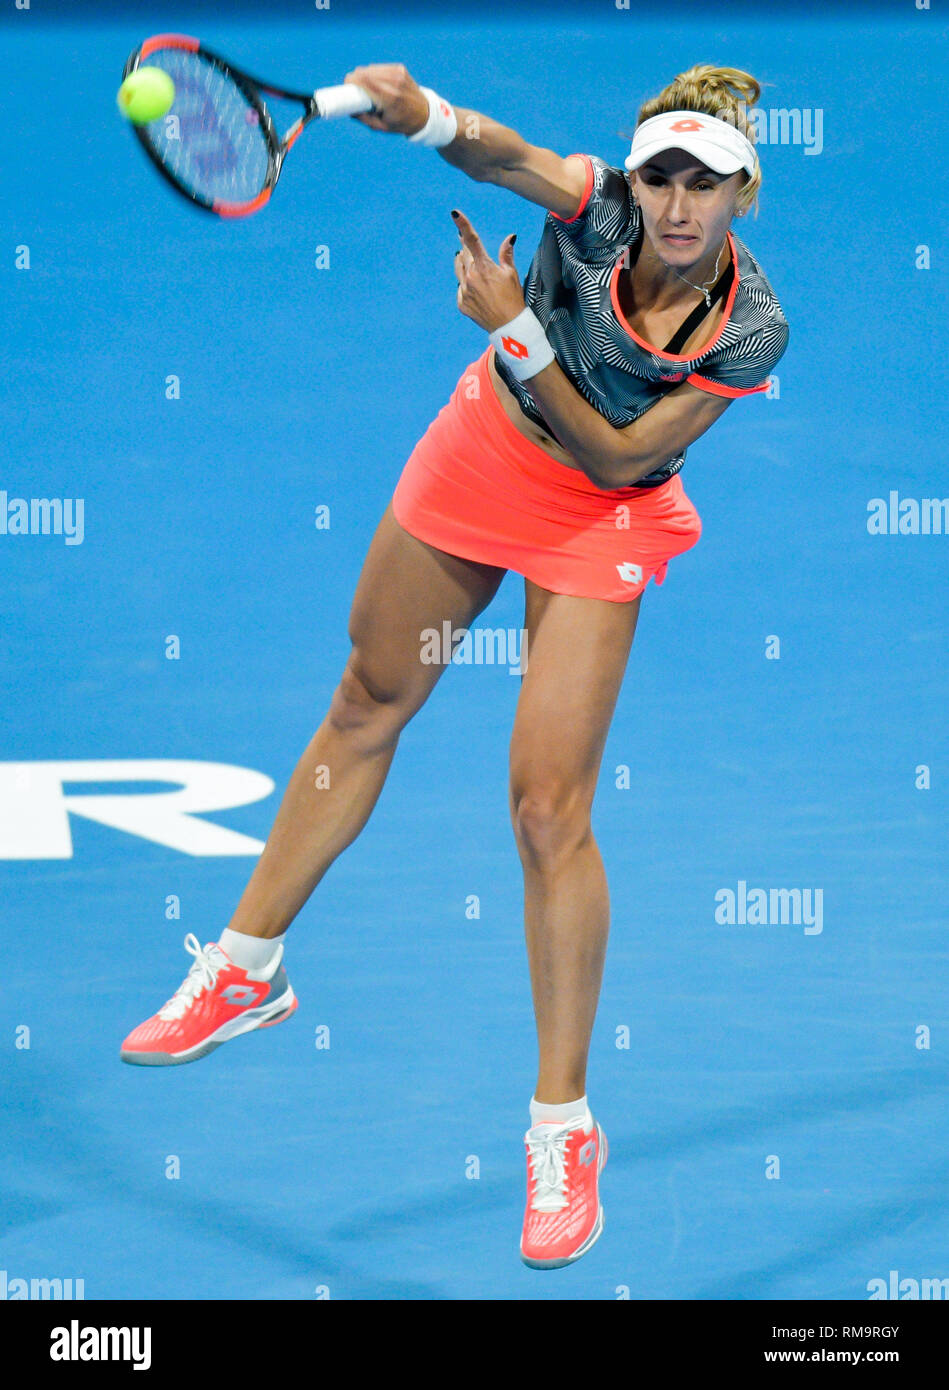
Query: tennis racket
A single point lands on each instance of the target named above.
(218, 145)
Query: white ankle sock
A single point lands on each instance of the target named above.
(542, 1114)
(249, 952)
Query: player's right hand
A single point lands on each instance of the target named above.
(401, 105)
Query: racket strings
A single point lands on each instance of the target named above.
(211, 141)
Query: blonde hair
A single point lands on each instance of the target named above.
(723, 92)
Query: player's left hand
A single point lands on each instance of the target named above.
(488, 291)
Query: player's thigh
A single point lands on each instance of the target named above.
(405, 588)
(577, 652)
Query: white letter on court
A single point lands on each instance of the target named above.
(35, 808)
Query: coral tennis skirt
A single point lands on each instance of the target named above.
(475, 487)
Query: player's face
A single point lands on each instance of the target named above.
(686, 207)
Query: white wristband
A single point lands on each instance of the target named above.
(522, 345)
(441, 126)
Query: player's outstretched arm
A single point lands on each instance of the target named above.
(483, 148)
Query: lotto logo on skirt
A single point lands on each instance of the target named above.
(475, 487)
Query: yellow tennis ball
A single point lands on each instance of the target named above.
(145, 95)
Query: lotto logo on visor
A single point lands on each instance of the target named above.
(717, 143)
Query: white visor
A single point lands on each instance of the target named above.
(715, 142)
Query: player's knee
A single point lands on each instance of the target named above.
(372, 712)
(551, 819)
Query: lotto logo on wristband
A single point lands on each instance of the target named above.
(522, 345)
(515, 348)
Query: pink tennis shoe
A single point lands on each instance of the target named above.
(564, 1217)
(216, 1002)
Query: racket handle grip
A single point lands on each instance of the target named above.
(344, 100)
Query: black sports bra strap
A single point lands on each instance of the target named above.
(684, 333)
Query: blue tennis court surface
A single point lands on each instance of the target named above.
(774, 1092)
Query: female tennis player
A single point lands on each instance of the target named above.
(641, 319)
